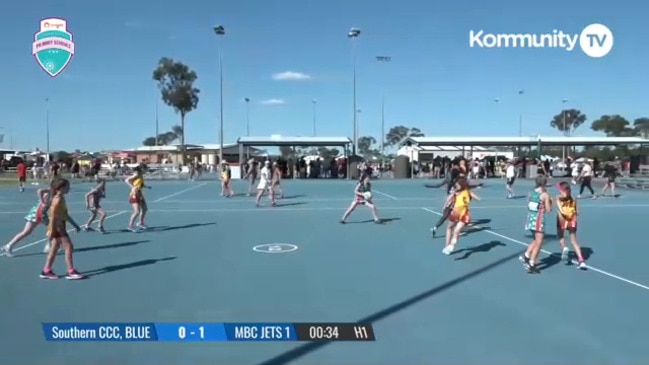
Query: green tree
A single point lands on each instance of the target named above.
(166, 138)
(286, 152)
(176, 83)
(613, 126)
(641, 125)
(365, 145)
(398, 133)
(568, 121)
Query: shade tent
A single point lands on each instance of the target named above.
(523, 141)
(293, 141)
(276, 141)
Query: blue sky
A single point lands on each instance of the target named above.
(106, 98)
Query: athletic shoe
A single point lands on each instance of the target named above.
(582, 266)
(7, 250)
(565, 254)
(74, 275)
(46, 249)
(48, 275)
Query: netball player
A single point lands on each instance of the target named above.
(251, 175)
(93, 198)
(264, 184)
(226, 178)
(362, 196)
(137, 201)
(510, 175)
(567, 221)
(610, 173)
(37, 215)
(460, 214)
(277, 178)
(538, 204)
(57, 232)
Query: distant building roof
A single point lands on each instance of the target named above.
(176, 147)
(277, 140)
(523, 141)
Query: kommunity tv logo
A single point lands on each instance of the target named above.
(595, 40)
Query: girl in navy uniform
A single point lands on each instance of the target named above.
(93, 198)
(362, 196)
(37, 215)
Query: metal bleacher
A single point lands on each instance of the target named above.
(639, 180)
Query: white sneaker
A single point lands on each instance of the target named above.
(582, 266)
(565, 254)
(46, 249)
(448, 250)
(7, 251)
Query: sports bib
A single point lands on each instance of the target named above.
(533, 206)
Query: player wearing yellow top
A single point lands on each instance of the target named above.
(57, 232)
(460, 215)
(567, 221)
(226, 177)
(136, 198)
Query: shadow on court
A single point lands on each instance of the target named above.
(130, 265)
(485, 247)
(169, 228)
(293, 196)
(555, 258)
(300, 351)
(289, 204)
(93, 248)
(383, 220)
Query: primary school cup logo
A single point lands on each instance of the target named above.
(53, 47)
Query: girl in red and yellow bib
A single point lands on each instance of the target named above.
(567, 221)
(136, 198)
(460, 215)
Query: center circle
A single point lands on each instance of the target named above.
(275, 248)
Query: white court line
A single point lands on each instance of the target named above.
(110, 216)
(385, 195)
(315, 209)
(513, 240)
(179, 192)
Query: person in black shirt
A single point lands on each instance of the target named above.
(610, 173)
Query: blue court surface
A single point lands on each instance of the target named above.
(197, 264)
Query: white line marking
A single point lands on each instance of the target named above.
(69, 230)
(110, 216)
(513, 240)
(385, 195)
(180, 192)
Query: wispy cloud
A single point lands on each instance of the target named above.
(133, 24)
(291, 76)
(273, 102)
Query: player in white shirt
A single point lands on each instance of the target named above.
(264, 184)
(574, 167)
(586, 178)
(510, 174)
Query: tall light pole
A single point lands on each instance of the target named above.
(157, 124)
(220, 31)
(47, 127)
(353, 35)
(314, 102)
(565, 130)
(520, 116)
(247, 100)
(383, 59)
(358, 124)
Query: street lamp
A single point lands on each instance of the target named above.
(247, 100)
(565, 130)
(219, 30)
(314, 102)
(383, 59)
(47, 127)
(520, 117)
(353, 34)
